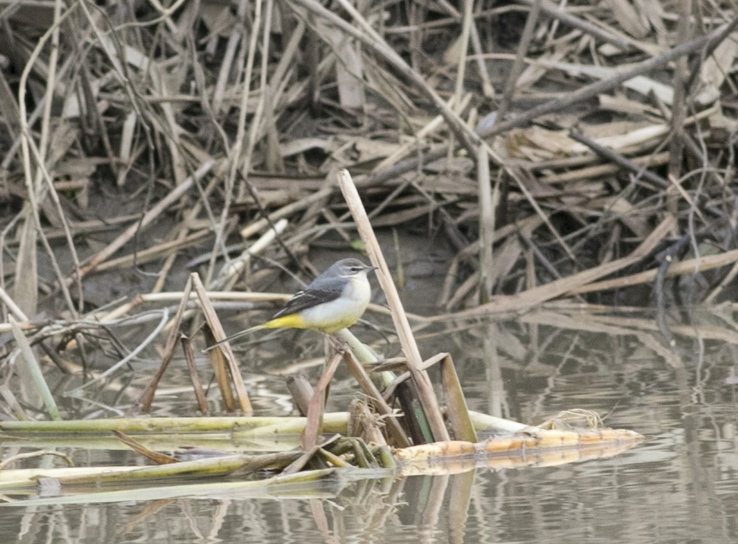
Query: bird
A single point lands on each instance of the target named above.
(335, 300)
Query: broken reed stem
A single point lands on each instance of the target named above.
(316, 407)
(212, 319)
(467, 22)
(486, 225)
(202, 403)
(620, 160)
(147, 397)
(517, 67)
(426, 394)
(690, 266)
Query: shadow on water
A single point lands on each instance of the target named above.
(680, 485)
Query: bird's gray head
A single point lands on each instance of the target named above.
(348, 268)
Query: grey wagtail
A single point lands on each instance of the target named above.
(334, 300)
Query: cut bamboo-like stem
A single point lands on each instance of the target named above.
(410, 348)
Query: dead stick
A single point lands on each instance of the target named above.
(619, 160)
(556, 12)
(426, 394)
(316, 407)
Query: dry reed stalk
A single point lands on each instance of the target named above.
(425, 391)
(597, 171)
(458, 412)
(517, 66)
(202, 403)
(243, 162)
(213, 322)
(314, 424)
(679, 105)
(466, 27)
(231, 271)
(690, 266)
(147, 397)
(27, 277)
(560, 14)
(487, 205)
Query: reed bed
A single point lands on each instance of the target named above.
(552, 147)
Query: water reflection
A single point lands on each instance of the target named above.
(679, 486)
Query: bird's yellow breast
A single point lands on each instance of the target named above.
(342, 312)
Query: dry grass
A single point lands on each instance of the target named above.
(222, 116)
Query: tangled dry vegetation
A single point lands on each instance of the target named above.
(553, 147)
(569, 151)
(563, 151)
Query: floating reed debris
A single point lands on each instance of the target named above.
(531, 446)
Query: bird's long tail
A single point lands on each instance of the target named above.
(289, 321)
(237, 335)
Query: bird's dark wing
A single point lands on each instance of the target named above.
(306, 299)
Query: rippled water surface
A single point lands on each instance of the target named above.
(681, 485)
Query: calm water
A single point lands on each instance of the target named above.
(681, 485)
